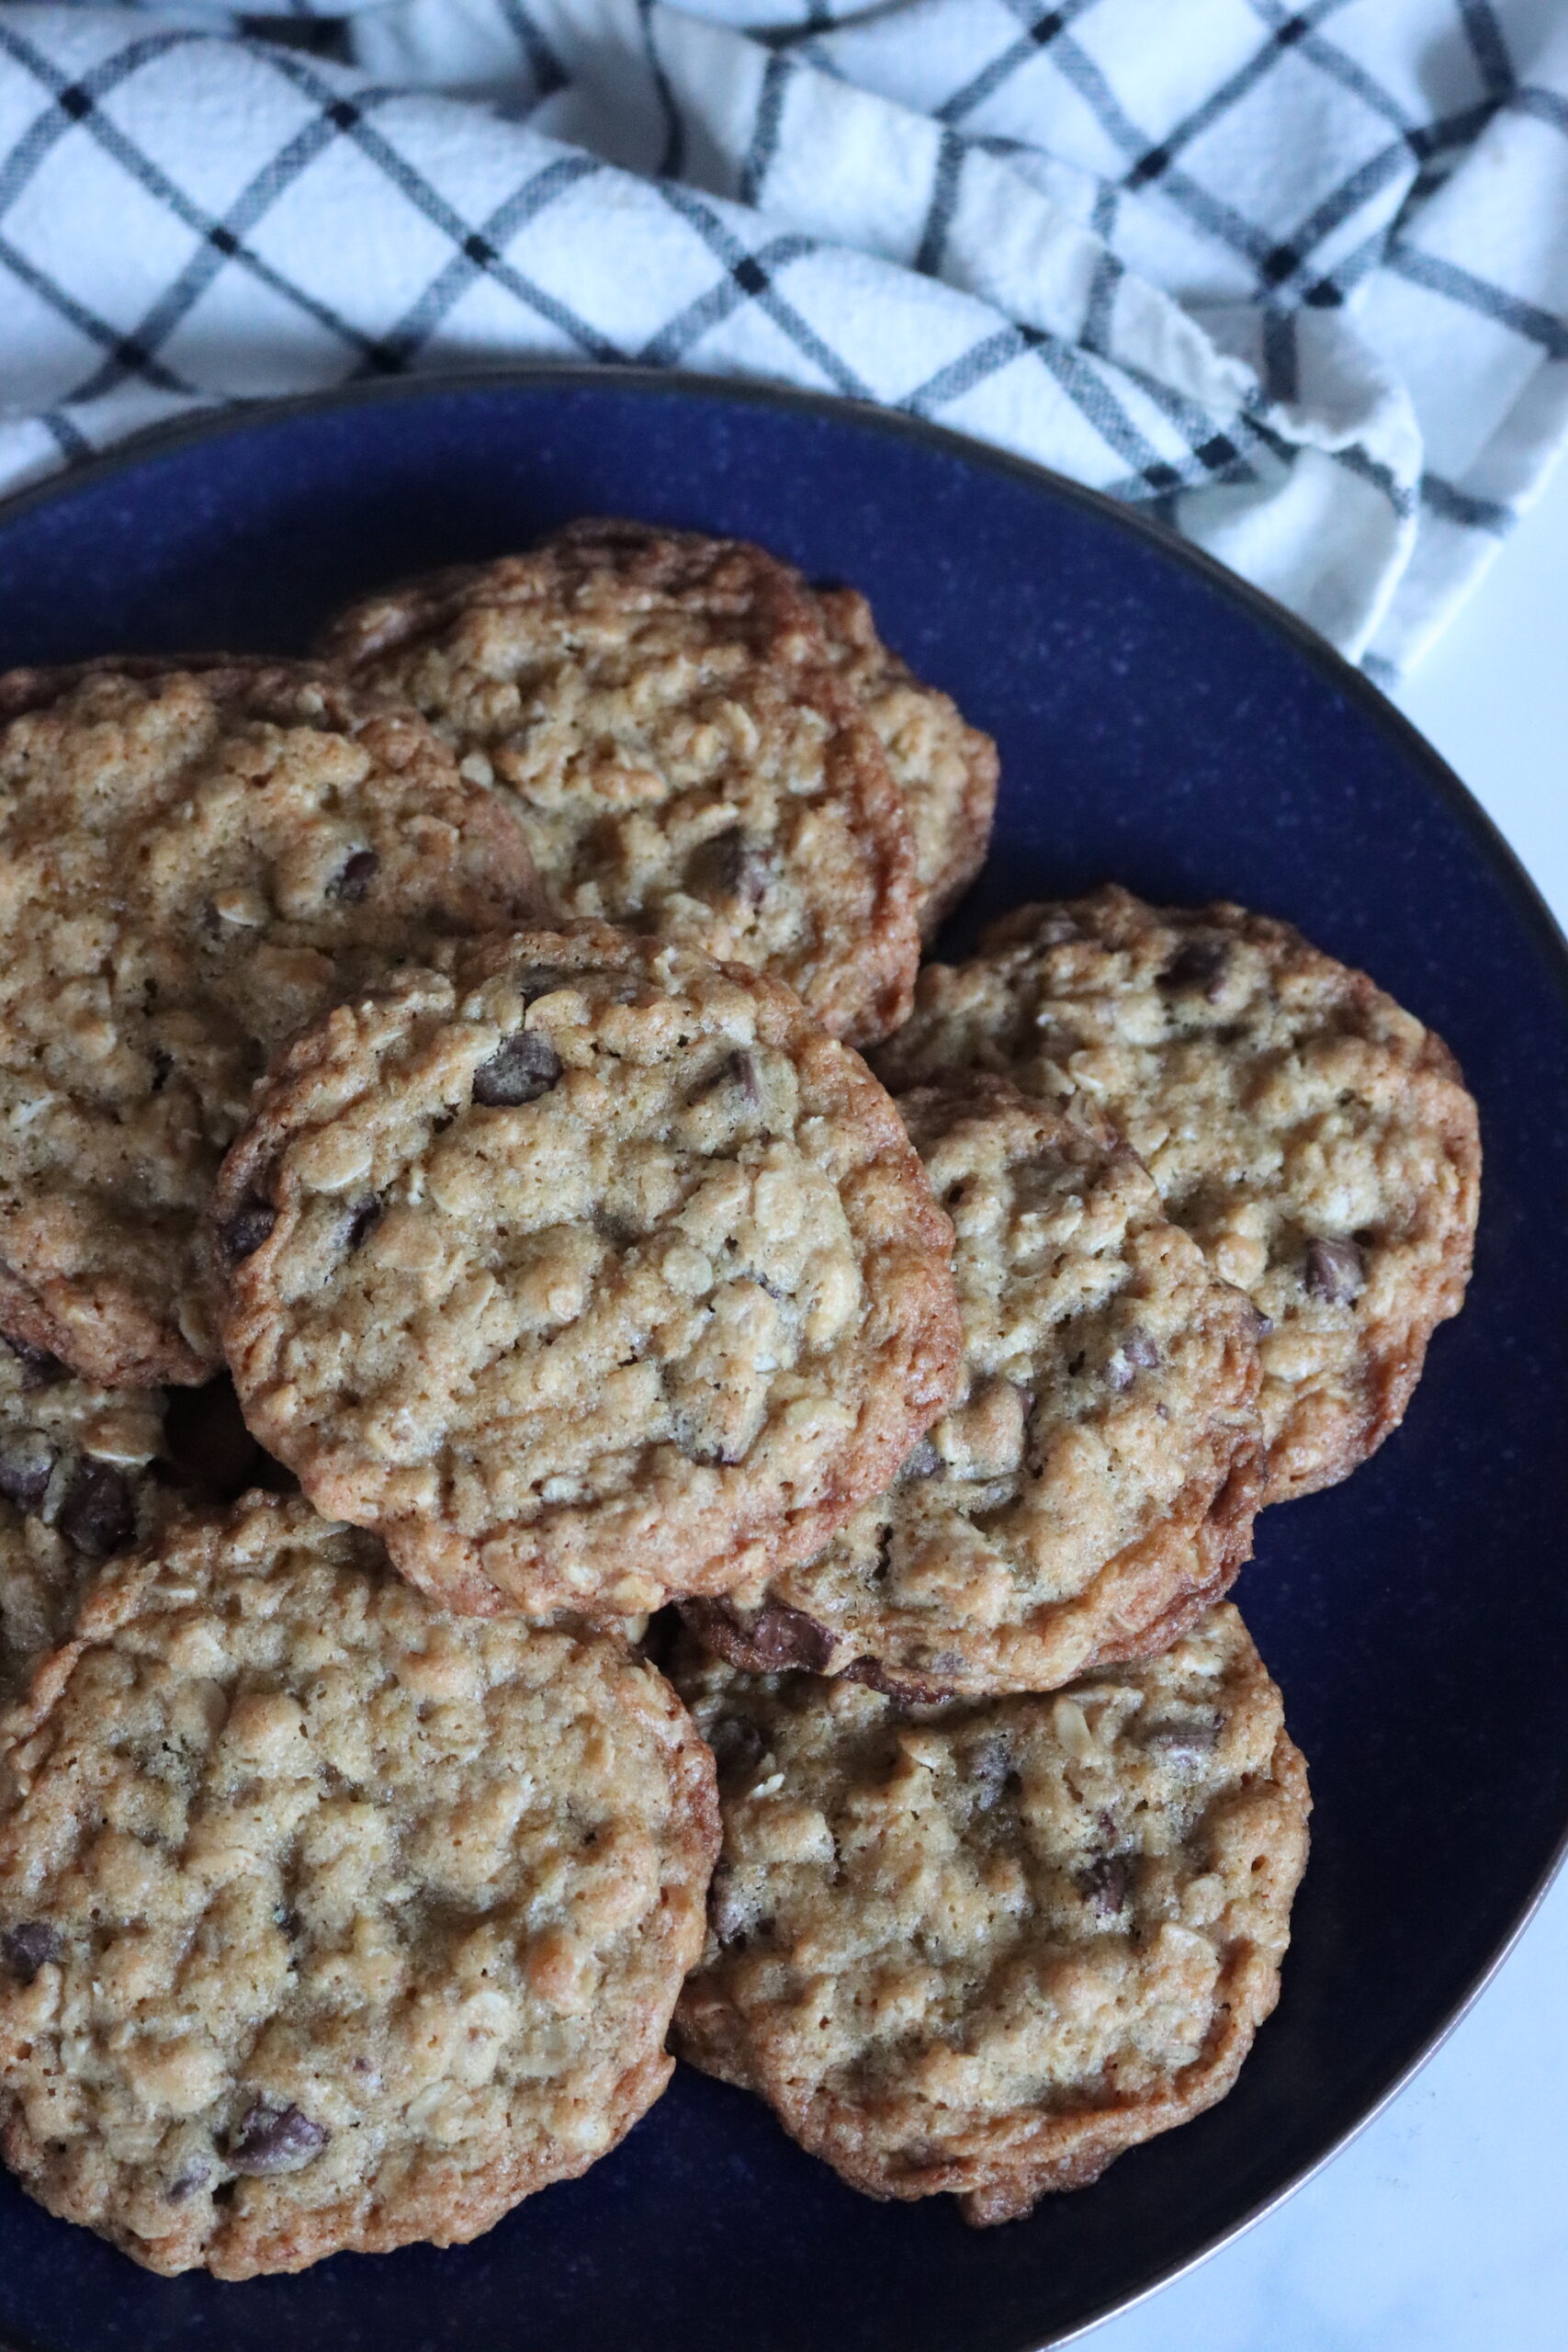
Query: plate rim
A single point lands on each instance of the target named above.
(229, 415)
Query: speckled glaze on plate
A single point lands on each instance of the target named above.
(1160, 724)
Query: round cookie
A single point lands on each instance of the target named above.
(78, 1481)
(1092, 1486)
(945, 769)
(198, 860)
(327, 1921)
(984, 1947)
(587, 1272)
(1313, 1138)
(682, 755)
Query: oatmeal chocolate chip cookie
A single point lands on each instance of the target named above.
(945, 769)
(586, 1272)
(198, 860)
(78, 1481)
(327, 1921)
(1092, 1486)
(1313, 1138)
(684, 758)
(987, 1947)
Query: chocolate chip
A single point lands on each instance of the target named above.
(98, 1515)
(1105, 1885)
(1335, 1271)
(923, 1461)
(27, 1458)
(206, 1440)
(275, 2139)
(28, 1945)
(521, 1069)
(351, 882)
(737, 1749)
(39, 1369)
(731, 867)
(1182, 1746)
(249, 1227)
(740, 1071)
(784, 1637)
(188, 2183)
(1199, 963)
(358, 1223)
(1137, 1352)
(737, 1072)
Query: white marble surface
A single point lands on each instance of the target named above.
(1444, 2227)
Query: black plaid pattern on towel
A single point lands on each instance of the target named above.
(1297, 276)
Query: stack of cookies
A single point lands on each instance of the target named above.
(543, 1505)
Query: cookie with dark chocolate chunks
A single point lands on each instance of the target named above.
(981, 1949)
(1092, 1486)
(201, 856)
(684, 748)
(1314, 1139)
(655, 1293)
(328, 1921)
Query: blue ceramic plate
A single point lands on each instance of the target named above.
(1160, 724)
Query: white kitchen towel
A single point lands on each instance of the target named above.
(1297, 277)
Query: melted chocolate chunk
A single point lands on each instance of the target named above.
(1184, 1746)
(27, 1458)
(249, 1227)
(1137, 1353)
(28, 1945)
(526, 1067)
(737, 1070)
(351, 883)
(737, 1749)
(731, 867)
(922, 1461)
(98, 1515)
(358, 1223)
(1335, 1271)
(1105, 1885)
(206, 1440)
(1199, 963)
(274, 2139)
(784, 1638)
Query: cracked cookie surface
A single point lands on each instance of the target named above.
(1093, 1484)
(196, 861)
(586, 1270)
(681, 752)
(1315, 1139)
(945, 769)
(328, 1921)
(983, 1948)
